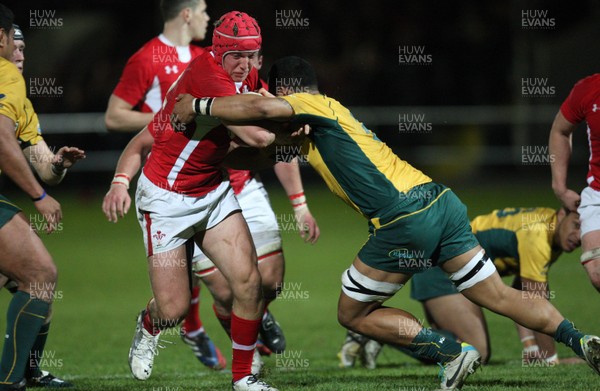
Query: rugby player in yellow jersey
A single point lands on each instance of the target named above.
(23, 257)
(523, 242)
(414, 224)
(51, 169)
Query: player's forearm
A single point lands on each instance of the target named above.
(560, 154)
(134, 153)
(127, 121)
(121, 117)
(247, 108)
(289, 176)
(559, 148)
(253, 136)
(41, 159)
(13, 161)
(50, 174)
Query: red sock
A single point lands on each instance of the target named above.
(244, 333)
(148, 324)
(224, 320)
(192, 321)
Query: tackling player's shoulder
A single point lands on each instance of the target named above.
(12, 90)
(9, 74)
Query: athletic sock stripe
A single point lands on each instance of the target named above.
(363, 289)
(243, 347)
(14, 363)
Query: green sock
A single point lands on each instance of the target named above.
(35, 355)
(416, 356)
(434, 346)
(570, 336)
(24, 318)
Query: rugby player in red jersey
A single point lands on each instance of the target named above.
(182, 195)
(139, 94)
(150, 72)
(582, 104)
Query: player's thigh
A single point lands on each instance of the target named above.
(262, 223)
(492, 293)
(228, 244)
(23, 257)
(169, 276)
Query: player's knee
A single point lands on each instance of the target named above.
(171, 313)
(172, 307)
(247, 286)
(223, 297)
(271, 283)
(345, 320)
(43, 272)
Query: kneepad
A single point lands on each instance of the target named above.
(365, 289)
(476, 270)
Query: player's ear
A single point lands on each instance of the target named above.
(186, 14)
(562, 212)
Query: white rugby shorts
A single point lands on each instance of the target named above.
(589, 210)
(168, 219)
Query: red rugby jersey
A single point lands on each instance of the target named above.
(583, 103)
(189, 162)
(150, 71)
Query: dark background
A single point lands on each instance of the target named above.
(480, 53)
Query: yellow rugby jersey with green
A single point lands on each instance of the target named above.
(519, 240)
(356, 166)
(15, 105)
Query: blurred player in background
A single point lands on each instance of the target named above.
(51, 169)
(151, 71)
(523, 242)
(185, 166)
(414, 224)
(23, 257)
(147, 77)
(582, 104)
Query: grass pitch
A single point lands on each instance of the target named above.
(103, 284)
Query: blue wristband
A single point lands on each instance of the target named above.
(40, 197)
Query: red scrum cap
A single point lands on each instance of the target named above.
(235, 32)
